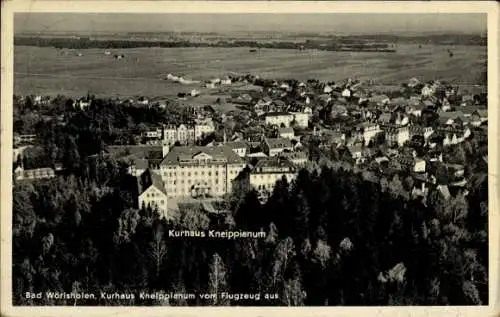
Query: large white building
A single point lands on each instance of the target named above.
(279, 118)
(267, 171)
(275, 146)
(301, 119)
(187, 133)
(369, 131)
(200, 171)
(397, 135)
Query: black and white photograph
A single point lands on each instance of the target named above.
(249, 159)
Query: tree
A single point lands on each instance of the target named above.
(294, 295)
(283, 254)
(322, 253)
(157, 249)
(217, 281)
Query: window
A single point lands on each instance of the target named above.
(189, 174)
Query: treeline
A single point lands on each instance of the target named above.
(86, 43)
(333, 238)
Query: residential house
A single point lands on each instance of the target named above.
(155, 133)
(427, 91)
(278, 119)
(416, 110)
(396, 135)
(82, 104)
(240, 148)
(401, 119)
(368, 131)
(454, 136)
(226, 81)
(327, 89)
(358, 153)
(268, 171)
(298, 158)
(384, 118)
(24, 138)
(301, 119)
(346, 93)
(152, 193)
(445, 105)
(425, 132)
(379, 99)
(479, 117)
(187, 133)
(451, 118)
(411, 164)
(182, 133)
(274, 146)
(33, 174)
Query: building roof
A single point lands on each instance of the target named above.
(40, 170)
(285, 130)
(277, 114)
(354, 148)
(221, 153)
(148, 179)
(137, 162)
(294, 155)
(385, 118)
(451, 114)
(236, 145)
(275, 143)
(273, 165)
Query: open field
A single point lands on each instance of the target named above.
(48, 71)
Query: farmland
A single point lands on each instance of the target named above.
(50, 71)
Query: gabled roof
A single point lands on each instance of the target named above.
(236, 145)
(385, 117)
(149, 179)
(276, 114)
(275, 143)
(272, 162)
(179, 153)
(285, 130)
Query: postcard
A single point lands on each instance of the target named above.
(260, 158)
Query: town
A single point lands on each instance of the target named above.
(279, 127)
(306, 178)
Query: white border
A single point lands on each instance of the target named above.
(9, 7)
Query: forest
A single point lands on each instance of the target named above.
(86, 43)
(333, 238)
(334, 235)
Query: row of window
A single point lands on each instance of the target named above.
(195, 181)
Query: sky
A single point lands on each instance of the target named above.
(336, 23)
